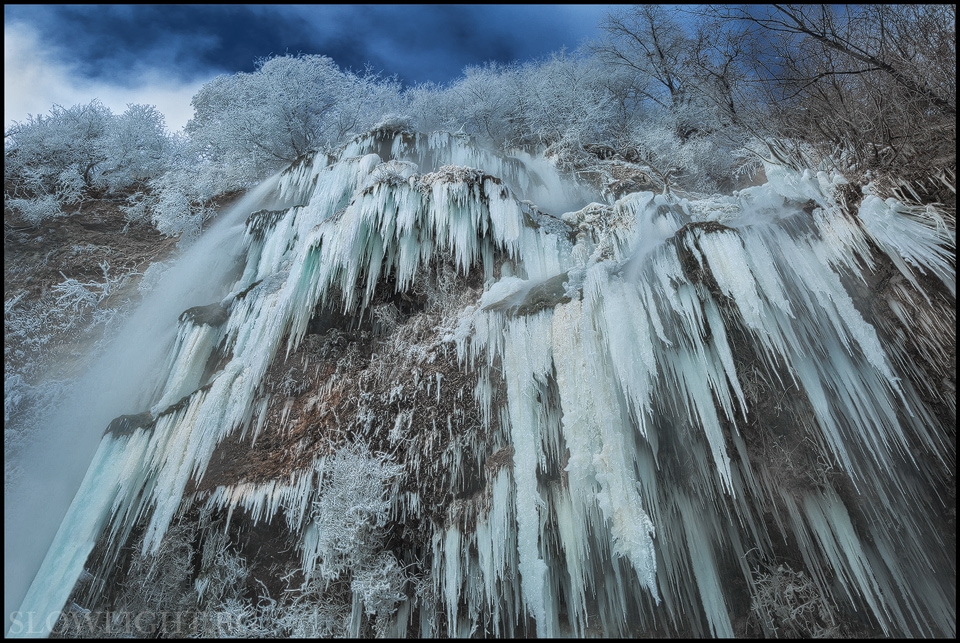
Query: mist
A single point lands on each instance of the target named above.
(119, 382)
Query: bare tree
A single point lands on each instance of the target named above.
(693, 69)
(873, 85)
(651, 41)
(896, 40)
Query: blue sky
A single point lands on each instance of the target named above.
(161, 54)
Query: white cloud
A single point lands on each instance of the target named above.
(33, 82)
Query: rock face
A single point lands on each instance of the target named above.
(427, 408)
(212, 315)
(127, 424)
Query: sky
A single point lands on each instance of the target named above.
(162, 54)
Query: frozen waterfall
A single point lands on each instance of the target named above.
(474, 398)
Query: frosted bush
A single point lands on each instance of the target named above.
(75, 295)
(26, 332)
(174, 215)
(36, 211)
(180, 201)
(161, 581)
(293, 383)
(138, 208)
(70, 186)
(14, 392)
(233, 618)
(310, 615)
(352, 508)
(80, 296)
(380, 586)
(386, 317)
(789, 604)
(222, 572)
(24, 404)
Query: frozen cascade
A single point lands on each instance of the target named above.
(614, 420)
(113, 385)
(115, 461)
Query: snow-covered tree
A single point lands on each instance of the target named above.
(290, 105)
(58, 159)
(66, 138)
(484, 101)
(136, 148)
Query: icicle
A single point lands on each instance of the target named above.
(527, 360)
(195, 344)
(81, 526)
(599, 466)
(911, 237)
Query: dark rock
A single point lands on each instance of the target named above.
(127, 424)
(262, 220)
(546, 294)
(212, 315)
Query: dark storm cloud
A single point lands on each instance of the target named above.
(119, 41)
(416, 42)
(435, 42)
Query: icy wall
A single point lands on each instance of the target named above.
(571, 417)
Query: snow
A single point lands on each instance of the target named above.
(915, 238)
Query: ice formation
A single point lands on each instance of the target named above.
(640, 404)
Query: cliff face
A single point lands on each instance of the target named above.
(445, 392)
